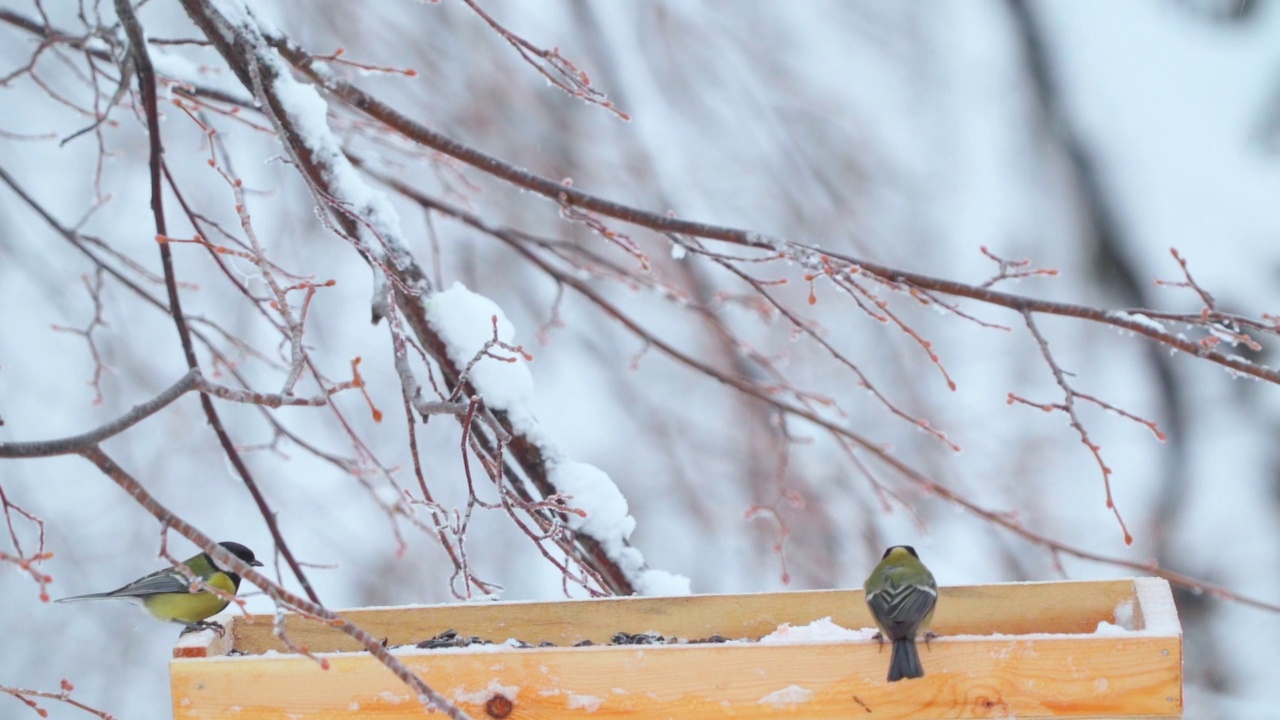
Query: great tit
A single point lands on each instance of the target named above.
(902, 594)
(166, 594)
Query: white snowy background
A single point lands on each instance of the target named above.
(907, 133)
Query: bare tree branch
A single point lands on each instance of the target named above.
(147, 88)
(279, 595)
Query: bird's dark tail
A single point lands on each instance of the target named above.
(905, 662)
(78, 598)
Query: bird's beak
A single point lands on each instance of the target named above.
(255, 563)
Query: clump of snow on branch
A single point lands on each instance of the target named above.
(376, 221)
(235, 11)
(608, 521)
(1137, 318)
(595, 494)
(469, 324)
(466, 322)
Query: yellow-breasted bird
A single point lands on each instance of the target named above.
(166, 594)
(902, 594)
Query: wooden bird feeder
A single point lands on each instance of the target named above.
(1025, 650)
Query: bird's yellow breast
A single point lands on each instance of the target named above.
(191, 607)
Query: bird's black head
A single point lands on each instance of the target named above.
(908, 548)
(242, 552)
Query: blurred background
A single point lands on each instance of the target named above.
(1088, 136)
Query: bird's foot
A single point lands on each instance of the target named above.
(879, 638)
(203, 625)
(929, 636)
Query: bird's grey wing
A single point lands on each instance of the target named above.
(162, 581)
(904, 604)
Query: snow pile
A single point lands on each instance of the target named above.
(1159, 614)
(483, 695)
(818, 631)
(1124, 614)
(787, 697)
(590, 703)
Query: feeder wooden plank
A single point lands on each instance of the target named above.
(1043, 678)
(1012, 609)
(971, 672)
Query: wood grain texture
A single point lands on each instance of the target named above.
(973, 673)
